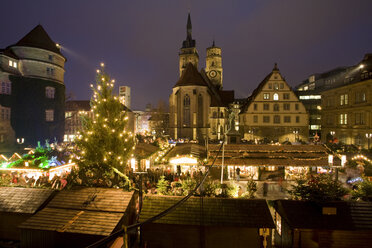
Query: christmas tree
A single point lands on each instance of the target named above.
(104, 145)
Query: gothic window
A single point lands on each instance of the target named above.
(276, 97)
(200, 110)
(186, 110)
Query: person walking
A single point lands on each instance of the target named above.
(238, 174)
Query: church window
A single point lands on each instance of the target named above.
(276, 118)
(276, 107)
(200, 110)
(266, 96)
(186, 110)
(276, 97)
(276, 86)
(266, 106)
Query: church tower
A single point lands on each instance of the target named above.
(188, 53)
(213, 65)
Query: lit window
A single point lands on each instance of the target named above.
(49, 115)
(4, 113)
(6, 88)
(344, 99)
(276, 97)
(266, 96)
(276, 86)
(13, 64)
(343, 119)
(314, 127)
(49, 92)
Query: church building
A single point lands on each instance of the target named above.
(198, 106)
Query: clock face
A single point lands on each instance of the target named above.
(212, 74)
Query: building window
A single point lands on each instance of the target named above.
(255, 118)
(359, 118)
(270, 85)
(4, 113)
(276, 107)
(297, 119)
(278, 223)
(49, 115)
(296, 106)
(266, 106)
(276, 97)
(266, 119)
(287, 119)
(281, 85)
(49, 92)
(276, 118)
(6, 88)
(13, 64)
(214, 114)
(343, 119)
(276, 86)
(266, 96)
(286, 96)
(50, 71)
(50, 57)
(286, 106)
(255, 106)
(186, 110)
(360, 97)
(344, 99)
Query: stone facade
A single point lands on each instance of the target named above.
(274, 113)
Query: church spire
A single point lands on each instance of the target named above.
(189, 42)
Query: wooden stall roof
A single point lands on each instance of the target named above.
(309, 215)
(196, 150)
(144, 150)
(216, 211)
(272, 155)
(95, 211)
(96, 199)
(23, 200)
(73, 221)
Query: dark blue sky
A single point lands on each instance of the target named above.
(139, 40)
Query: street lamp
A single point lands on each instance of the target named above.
(368, 136)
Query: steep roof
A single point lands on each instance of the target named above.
(309, 215)
(191, 77)
(23, 200)
(39, 38)
(215, 212)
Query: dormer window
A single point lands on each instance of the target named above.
(13, 64)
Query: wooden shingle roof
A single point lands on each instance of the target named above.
(215, 211)
(23, 200)
(73, 221)
(95, 199)
(94, 211)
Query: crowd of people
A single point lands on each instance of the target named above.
(25, 180)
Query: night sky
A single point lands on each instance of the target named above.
(139, 40)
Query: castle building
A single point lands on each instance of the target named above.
(273, 112)
(198, 106)
(32, 92)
